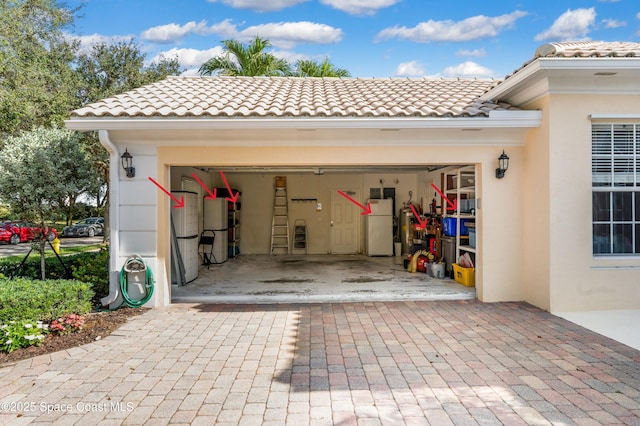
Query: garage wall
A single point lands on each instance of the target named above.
(257, 200)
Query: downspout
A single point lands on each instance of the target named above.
(114, 192)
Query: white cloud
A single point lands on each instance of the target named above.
(474, 28)
(171, 33)
(468, 69)
(287, 35)
(260, 5)
(190, 59)
(410, 69)
(359, 7)
(613, 23)
(572, 24)
(476, 53)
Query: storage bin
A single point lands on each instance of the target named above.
(472, 237)
(449, 226)
(466, 180)
(464, 276)
(467, 204)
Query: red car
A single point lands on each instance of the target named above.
(20, 232)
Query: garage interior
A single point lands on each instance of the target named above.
(297, 234)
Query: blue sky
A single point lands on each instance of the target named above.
(369, 38)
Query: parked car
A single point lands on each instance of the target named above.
(88, 227)
(21, 231)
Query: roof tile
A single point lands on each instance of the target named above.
(223, 97)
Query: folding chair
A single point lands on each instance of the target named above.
(207, 238)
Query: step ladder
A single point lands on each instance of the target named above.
(280, 221)
(300, 235)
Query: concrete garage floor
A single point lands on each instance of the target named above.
(315, 279)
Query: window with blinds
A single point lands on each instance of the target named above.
(616, 189)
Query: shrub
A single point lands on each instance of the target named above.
(89, 267)
(25, 299)
(20, 334)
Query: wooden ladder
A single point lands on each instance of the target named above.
(280, 222)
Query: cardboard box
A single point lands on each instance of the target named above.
(464, 276)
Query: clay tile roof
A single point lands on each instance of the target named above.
(588, 49)
(227, 97)
(584, 49)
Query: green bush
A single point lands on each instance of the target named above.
(24, 299)
(89, 267)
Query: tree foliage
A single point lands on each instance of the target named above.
(41, 168)
(309, 68)
(246, 60)
(37, 82)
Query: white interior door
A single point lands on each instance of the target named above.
(344, 222)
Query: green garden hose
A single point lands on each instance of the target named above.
(135, 264)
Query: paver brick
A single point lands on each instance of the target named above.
(383, 363)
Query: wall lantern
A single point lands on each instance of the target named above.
(127, 163)
(503, 162)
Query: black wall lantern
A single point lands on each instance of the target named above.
(127, 163)
(503, 162)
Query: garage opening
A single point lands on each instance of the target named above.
(323, 233)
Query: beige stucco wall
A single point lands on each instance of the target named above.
(499, 216)
(578, 281)
(536, 214)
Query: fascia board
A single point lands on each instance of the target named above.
(496, 119)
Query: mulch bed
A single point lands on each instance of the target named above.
(98, 325)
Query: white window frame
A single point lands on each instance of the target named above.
(616, 171)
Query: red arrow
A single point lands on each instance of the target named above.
(212, 195)
(179, 203)
(454, 205)
(233, 198)
(367, 210)
(421, 224)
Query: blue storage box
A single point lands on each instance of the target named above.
(449, 225)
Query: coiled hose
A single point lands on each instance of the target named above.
(135, 264)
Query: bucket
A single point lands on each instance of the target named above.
(397, 249)
(280, 181)
(437, 270)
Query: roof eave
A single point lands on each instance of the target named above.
(496, 119)
(540, 69)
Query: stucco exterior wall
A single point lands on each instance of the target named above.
(536, 214)
(578, 280)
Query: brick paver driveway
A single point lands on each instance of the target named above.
(458, 362)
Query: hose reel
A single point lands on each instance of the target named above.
(135, 265)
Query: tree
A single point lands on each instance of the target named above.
(37, 170)
(246, 60)
(107, 70)
(307, 68)
(37, 82)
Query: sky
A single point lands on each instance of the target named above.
(369, 38)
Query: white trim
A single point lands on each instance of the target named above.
(614, 116)
(496, 119)
(114, 215)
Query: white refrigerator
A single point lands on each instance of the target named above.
(185, 222)
(379, 228)
(216, 219)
